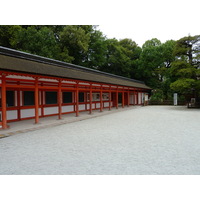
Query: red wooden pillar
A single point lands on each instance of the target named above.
(101, 101)
(18, 103)
(123, 99)
(36, 101)
(3, 102)
(128, 100)
(110, 99)
(77, 100)
(42, 102)
(59, 100)
(90, 98)
(117, 98)
(141, 97)
(85, 97)
(137, 98)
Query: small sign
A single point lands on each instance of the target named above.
(175, 99)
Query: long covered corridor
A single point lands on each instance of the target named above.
(33, 87)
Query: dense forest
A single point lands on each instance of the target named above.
(173, 66)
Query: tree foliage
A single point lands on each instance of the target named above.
(173, 66)
(185, 68)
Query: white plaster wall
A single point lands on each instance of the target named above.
(98, 105)
(27, 113)
(106, 104)
(67, 108)
(135, 99)
(81, 107)
(11, 114)
(88, 106)
(48, 80)
(139, 98)
(131, 99)
(20, 77)
(50, 110)
(93, 106)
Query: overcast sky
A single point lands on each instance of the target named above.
(143, 20)
(139, 20)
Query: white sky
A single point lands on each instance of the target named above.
(139, 20)
(143, 20)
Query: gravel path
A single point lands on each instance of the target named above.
(142, 140)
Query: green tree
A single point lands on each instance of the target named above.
(74, 43)
(96, 54)
(168, 58)
(185, 69)
(150, 63)
(133, 51)
(8, 34)
(36, 41)
(118, 57)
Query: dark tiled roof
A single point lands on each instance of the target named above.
(23, 62)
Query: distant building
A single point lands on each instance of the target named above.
(34, 87)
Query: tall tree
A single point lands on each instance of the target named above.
(151, 61)
(8, 34)
(164, 71)
(40, 41)
(120, 57)
(133, 51)
(185, 69)
(75, 42)
(96, 54)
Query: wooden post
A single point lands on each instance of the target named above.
(134, 95)
(77, 100)
(3, 102)
(123, 99)
(117, 99)
(85, 96)
(42, 102)
(110, 99)
(18, 103)
(59, 100)
(137, 98)
(101, 102)
(90, 98)
(128, 94)
(36, 101)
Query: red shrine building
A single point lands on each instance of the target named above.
(32, 87)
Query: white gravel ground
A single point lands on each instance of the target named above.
(142, 140)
